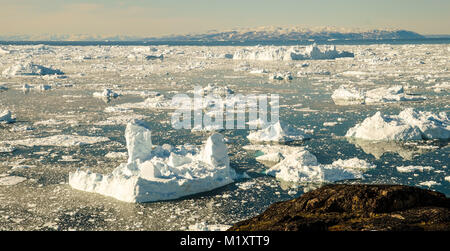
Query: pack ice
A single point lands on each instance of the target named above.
(408, 125)
(162, 173)
(272, 53)
(30, 69)
(275, 132)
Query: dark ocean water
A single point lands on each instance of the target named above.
(232, 43)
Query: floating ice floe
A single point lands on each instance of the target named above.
(271, 53)
(408, 125)
(58, 140)
(348, 95)
(162, 173)
(275, 132)
(30, 69)
(6, 117)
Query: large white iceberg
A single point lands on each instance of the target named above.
(408, 125)
(272, 53)
(161, 173)
(275, 132)
(30, 69)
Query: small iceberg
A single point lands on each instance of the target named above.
(408, 125)
(348, 95)
(6, 117)
(160, 173)
(301, 166)
(275, 132)
(107, 93)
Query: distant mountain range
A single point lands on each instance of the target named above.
(254, 34)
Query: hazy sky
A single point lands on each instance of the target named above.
(160, 17)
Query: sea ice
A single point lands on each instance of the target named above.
(408, 125)
(162, 173)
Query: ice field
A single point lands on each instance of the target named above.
(356, 114)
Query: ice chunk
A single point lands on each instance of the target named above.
(408, 125)
(162, 173)
(302, 167)
(277, 133)
(348, 95)
(139, 141)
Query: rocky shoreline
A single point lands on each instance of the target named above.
(356, 208)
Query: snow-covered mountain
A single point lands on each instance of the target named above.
(250, 34)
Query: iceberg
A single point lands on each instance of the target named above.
(30, 69)
(107, 93)
(272, 53)
(408, 125)
(275, 132)
(298, 165)
(6, 117)
(160, 173)
(301, 166)
(348, 95)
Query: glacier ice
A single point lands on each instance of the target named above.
(160, 173)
